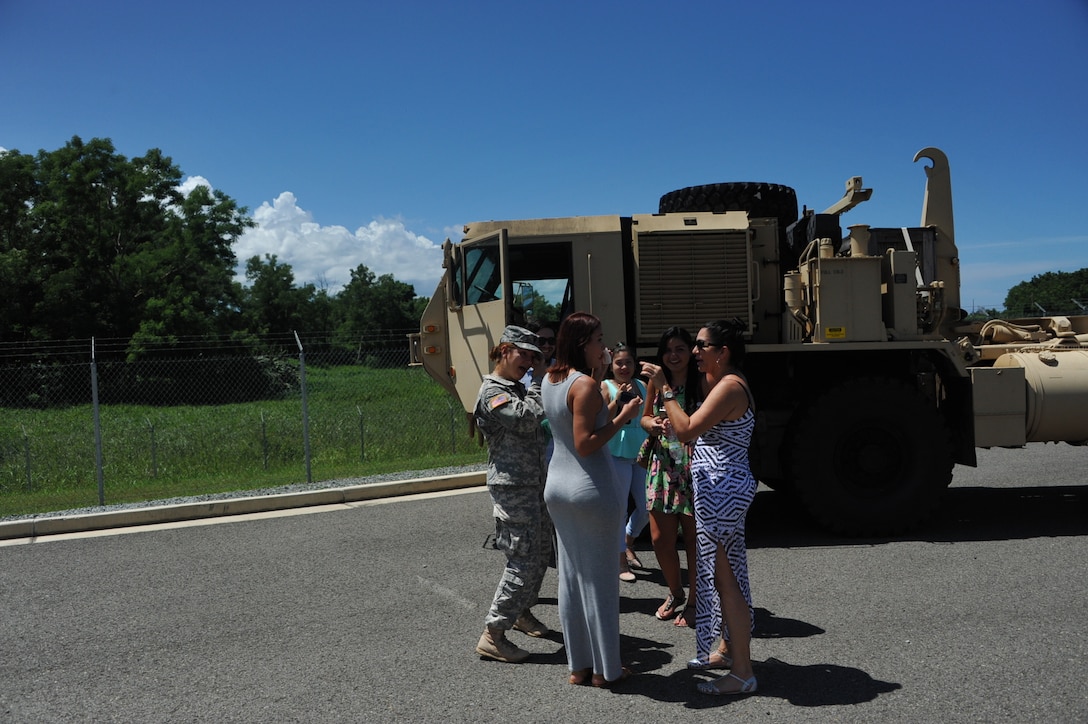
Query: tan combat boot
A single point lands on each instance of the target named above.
(530, 625)
(493, 645)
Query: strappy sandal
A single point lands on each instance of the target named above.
(579, 677)
(716, 660)
(672, 606)
(747, 686)
(686, 618)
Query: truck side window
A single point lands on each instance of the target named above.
(541, 274)
(483, 280)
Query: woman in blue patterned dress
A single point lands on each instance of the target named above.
(723, 487)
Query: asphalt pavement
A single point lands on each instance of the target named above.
(369, 610)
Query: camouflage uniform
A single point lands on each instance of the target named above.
(509, 416)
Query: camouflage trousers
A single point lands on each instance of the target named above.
(523, 531)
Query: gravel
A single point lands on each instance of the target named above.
(259, 492)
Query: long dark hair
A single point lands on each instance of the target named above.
(693, 383)
(729, 334)
(570, 342)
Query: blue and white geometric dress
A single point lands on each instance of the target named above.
(723, 487)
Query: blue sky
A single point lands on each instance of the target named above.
(368, 132)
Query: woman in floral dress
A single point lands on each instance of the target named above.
(668, 481)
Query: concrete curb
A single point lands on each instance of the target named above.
(36, 527)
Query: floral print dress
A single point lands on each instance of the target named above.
(668, 476)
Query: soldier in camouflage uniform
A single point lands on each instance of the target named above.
(510, 416)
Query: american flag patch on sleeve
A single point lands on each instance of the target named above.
(498, 400)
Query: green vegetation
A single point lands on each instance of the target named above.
(362, 421)
(1049, 293)
(94, 244)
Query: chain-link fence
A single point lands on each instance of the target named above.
(86, 424)
(1062, 308)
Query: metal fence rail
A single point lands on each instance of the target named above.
(202, 418)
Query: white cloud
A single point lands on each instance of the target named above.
(191, 183)
(326, 255)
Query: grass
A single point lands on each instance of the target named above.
(362, 421)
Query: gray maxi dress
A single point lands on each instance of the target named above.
(587, 504)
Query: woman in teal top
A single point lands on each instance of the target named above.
(624, 446)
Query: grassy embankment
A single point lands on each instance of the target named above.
(362, 421)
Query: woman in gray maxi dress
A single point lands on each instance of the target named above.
(586, 501)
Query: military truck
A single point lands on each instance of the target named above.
(869, 383)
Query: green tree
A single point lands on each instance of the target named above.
(369, 304)
(1056, 292)
(186, 277)
(94, 244)
(79, 225)
(272, 303)
(19, 278)
(419, 305)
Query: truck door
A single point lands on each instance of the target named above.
(480, 301)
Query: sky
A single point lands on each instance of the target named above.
(369, 132)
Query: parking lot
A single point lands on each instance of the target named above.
(370, 611)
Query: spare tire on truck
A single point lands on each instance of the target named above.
(760, 200)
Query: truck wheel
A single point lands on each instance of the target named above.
(758, 199)
(872, 457)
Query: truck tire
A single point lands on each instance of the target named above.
(872, 457)
(758, 199)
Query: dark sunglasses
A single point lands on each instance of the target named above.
(703, 344)
(547, 340)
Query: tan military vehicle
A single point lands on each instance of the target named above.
(869, 385)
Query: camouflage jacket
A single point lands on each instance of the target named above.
(510, 416)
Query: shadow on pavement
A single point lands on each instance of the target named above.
(965, 514)
(809, 686)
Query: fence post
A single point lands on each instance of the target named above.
(362, 435)
(26, 456)
(264, 440)
(453, 429)
(305, 408)
(154, 457)
(97, 428)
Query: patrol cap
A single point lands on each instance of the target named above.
(521, 337)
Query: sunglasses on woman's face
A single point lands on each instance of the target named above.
(703, 344)
(550, 341)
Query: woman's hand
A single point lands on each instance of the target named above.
(539, 367)
(653, 425)
(630, 410)
(655, 374)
